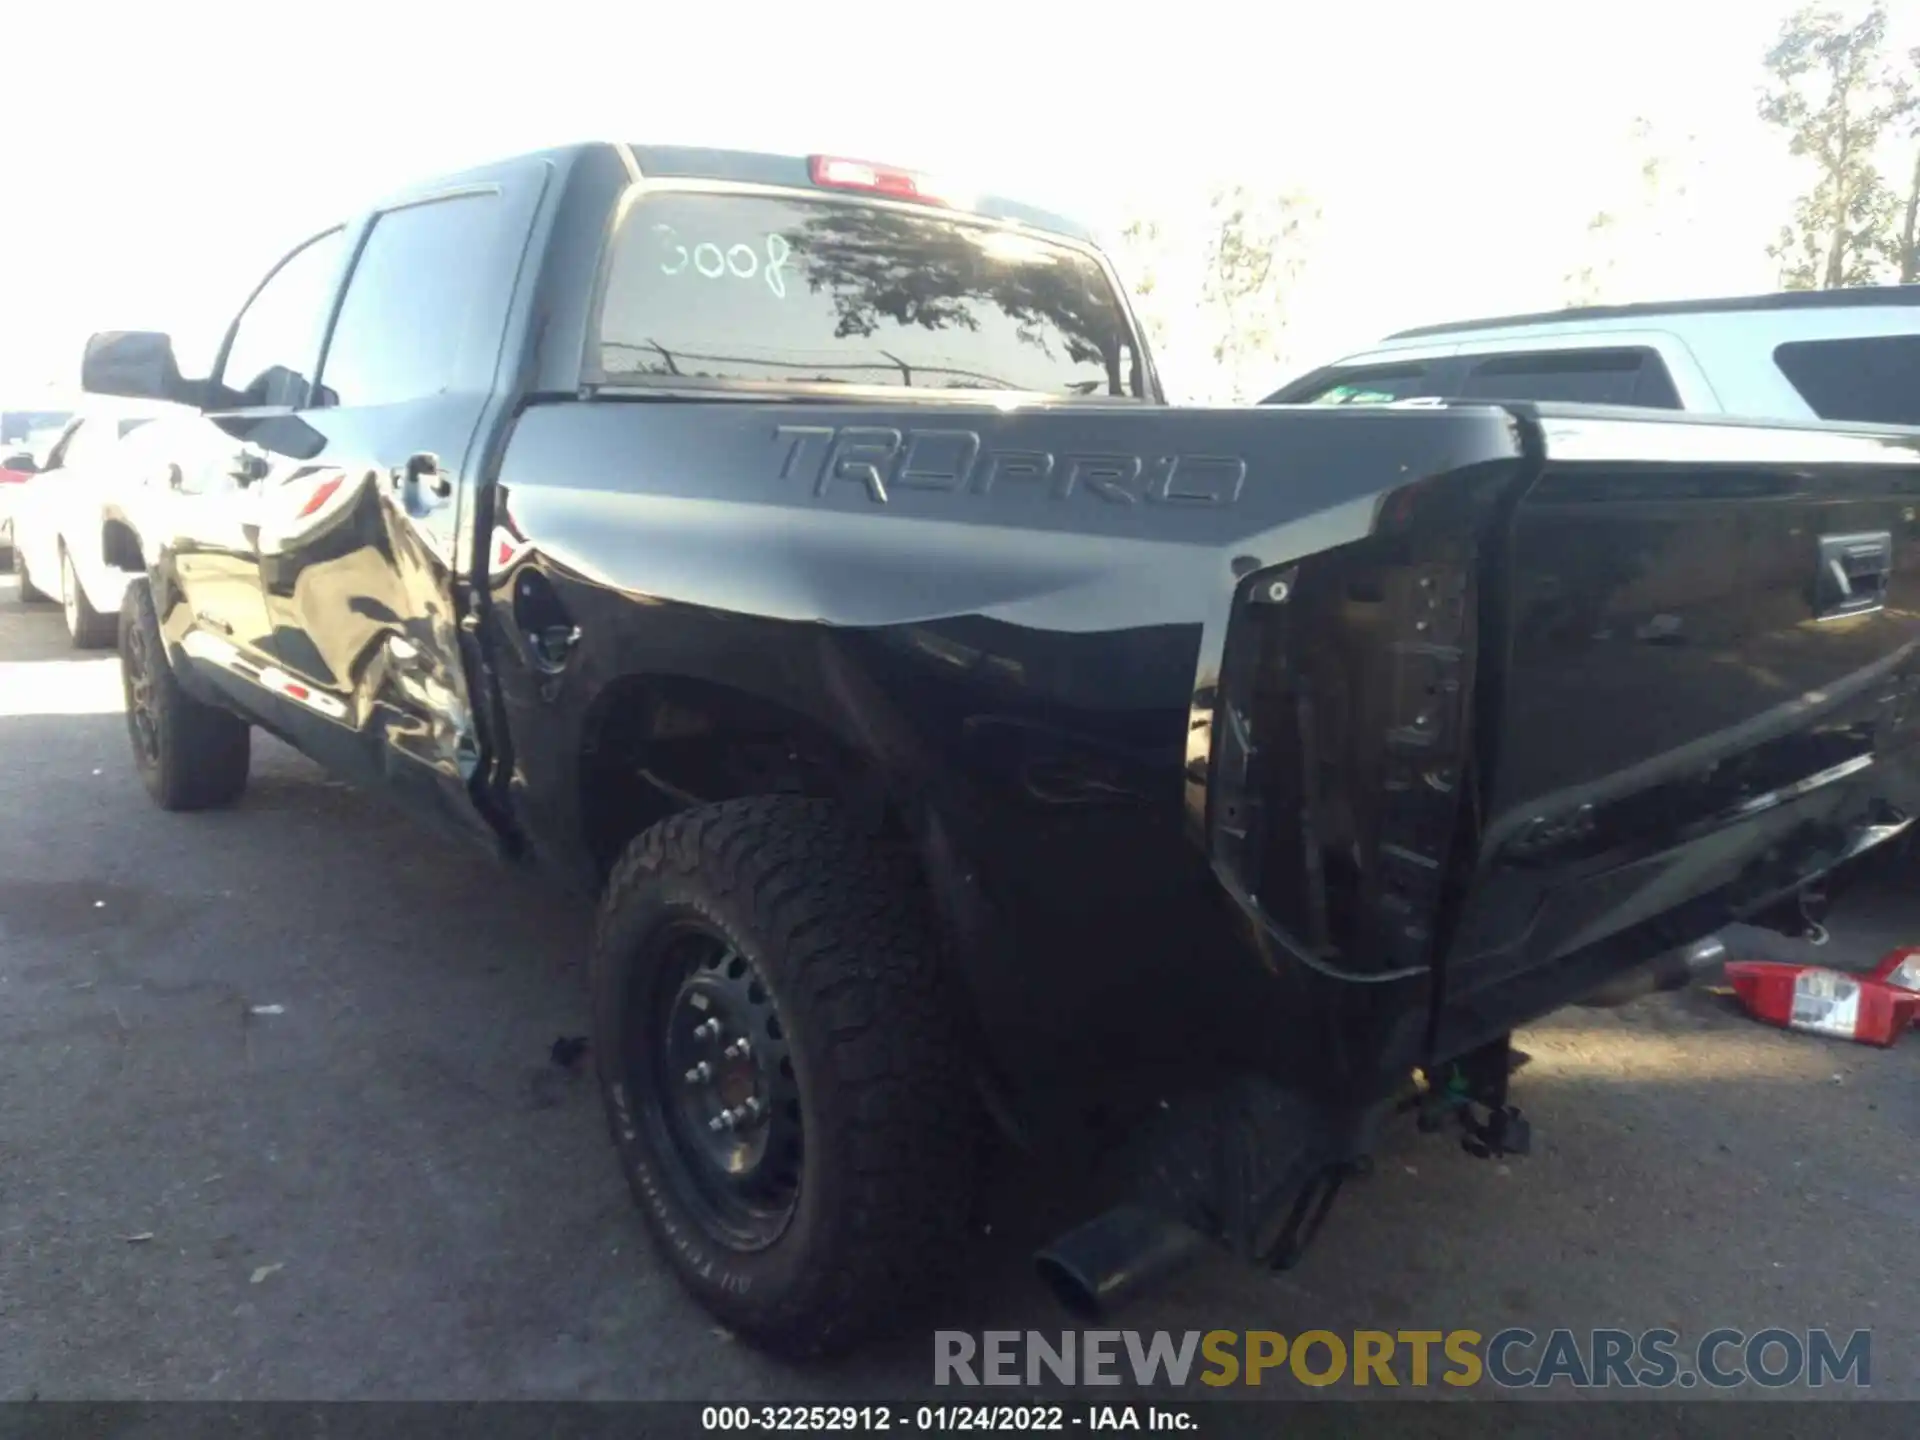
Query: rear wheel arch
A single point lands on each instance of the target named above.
(655, 744)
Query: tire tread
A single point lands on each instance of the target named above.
(852, 955)
(205, 752)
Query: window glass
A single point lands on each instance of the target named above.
(769, 289)
(1873, 379)
(412, 301)
(1631, 376)
(1377, 386)
(278, 339)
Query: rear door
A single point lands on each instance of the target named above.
(357, 547)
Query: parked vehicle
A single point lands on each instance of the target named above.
(1851, 355)
(17, 466)
(23, 441)
(75, 525)
(806, 563)
(18, 427)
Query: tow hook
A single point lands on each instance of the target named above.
(1473, 1091)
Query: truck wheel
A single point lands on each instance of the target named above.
(28, 590)
(782, 1069)
(191, 756)
(86, 626)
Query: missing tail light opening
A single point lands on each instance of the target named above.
(1340, 767)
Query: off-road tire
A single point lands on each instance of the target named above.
(198, 755)
(86, 626)
(837, 925)
(29, 592)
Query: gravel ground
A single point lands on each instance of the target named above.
(277, 1120)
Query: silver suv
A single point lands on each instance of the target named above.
(1849, 355)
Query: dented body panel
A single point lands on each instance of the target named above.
(1420, 799)
(1322, 743)
(1027, 660)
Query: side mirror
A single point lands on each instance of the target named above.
(137, 364)
(22, 463)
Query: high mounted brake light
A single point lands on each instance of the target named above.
(834, 173)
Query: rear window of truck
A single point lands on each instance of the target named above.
(776, 290)
(1870, 379)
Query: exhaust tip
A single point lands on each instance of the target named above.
(1674, 970)
(1096, 1268)
(1077, 1294)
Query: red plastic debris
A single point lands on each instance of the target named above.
(1820, 1001)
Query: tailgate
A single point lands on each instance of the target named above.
(1495, 753)
(1698, 691)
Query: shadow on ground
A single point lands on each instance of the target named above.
(277, 1119)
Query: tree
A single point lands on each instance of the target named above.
(1908, 254)
(1832, 95)
(1639, 221)
(1588, 283)
(1257, 248)
(1142, 257)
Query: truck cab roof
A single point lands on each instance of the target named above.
(827, 174)
(802, 172)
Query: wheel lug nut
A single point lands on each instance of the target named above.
(700, 1074)
(738, 1048)
(751, 1109)
(725, 1120)
(708, 1029)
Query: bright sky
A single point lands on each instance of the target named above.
(156, 162)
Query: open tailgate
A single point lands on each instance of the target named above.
(1531, 732)
(1701, 692)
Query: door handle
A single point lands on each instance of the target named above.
(1855, 571)
(423, 470)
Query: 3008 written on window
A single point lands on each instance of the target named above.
(768, 290)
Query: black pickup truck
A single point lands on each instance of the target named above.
(802, 559)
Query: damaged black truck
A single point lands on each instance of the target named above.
(803, 561)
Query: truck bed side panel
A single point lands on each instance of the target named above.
(1275, 725)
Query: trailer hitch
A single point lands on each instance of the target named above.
(1473, 1092)
(1309, 1212)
